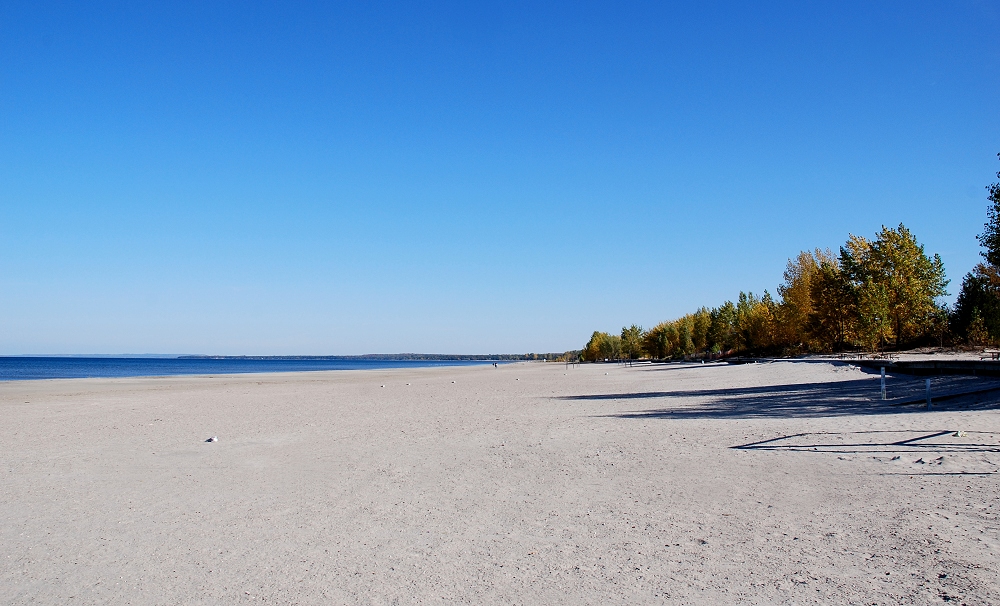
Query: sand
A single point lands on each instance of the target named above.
(533, 483)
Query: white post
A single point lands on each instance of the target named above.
(928, 394)
(883, 382)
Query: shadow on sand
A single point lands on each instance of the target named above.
(838, 398)
(863, 442)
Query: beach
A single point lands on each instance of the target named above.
(529, 483)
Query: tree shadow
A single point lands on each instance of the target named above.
(707, 364)
(880, 441)
(820, 399)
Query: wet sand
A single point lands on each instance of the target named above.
(531, 483)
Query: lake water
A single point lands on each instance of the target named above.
(22, 368)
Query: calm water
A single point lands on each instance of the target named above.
(12, 369)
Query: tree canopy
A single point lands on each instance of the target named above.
(896, 285)
(874, 293)
(976, 316)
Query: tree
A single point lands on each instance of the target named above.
(897, 285)
(656, 343)
(979, 298)
(834, 306)
(990, 238)
(602, 346)
(722, 328)
(685, 342)
(631, 341)
(672, 338)
(701, 321)
(755, 321)
(592, 349)
(875, 292)
(939, 327)
(612, 348)
(978, 334)
(797, 296)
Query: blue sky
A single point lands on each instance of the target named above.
(281, 178)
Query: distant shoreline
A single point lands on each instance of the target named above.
(376, 357)
(389, 357)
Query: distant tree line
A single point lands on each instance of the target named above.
(871, 294)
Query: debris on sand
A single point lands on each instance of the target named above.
(213, 439)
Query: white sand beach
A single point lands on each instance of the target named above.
(531, 483)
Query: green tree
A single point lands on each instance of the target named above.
(979, 298)
(990, 238)
(631, 341)
(685, 342)
(655, 342)
(833, 315)
(701, 321)
(611, 348)
(897, 285)
(755, 322)
(722, 328)
(672, 338)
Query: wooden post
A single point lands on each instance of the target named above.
(883, 382)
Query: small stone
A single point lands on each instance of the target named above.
(213, 439)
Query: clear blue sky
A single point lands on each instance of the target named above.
(280, 178)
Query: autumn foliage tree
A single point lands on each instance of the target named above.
(631, 341)
(874, 293)
(798, 302)
(832, 319)
(602, 346)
